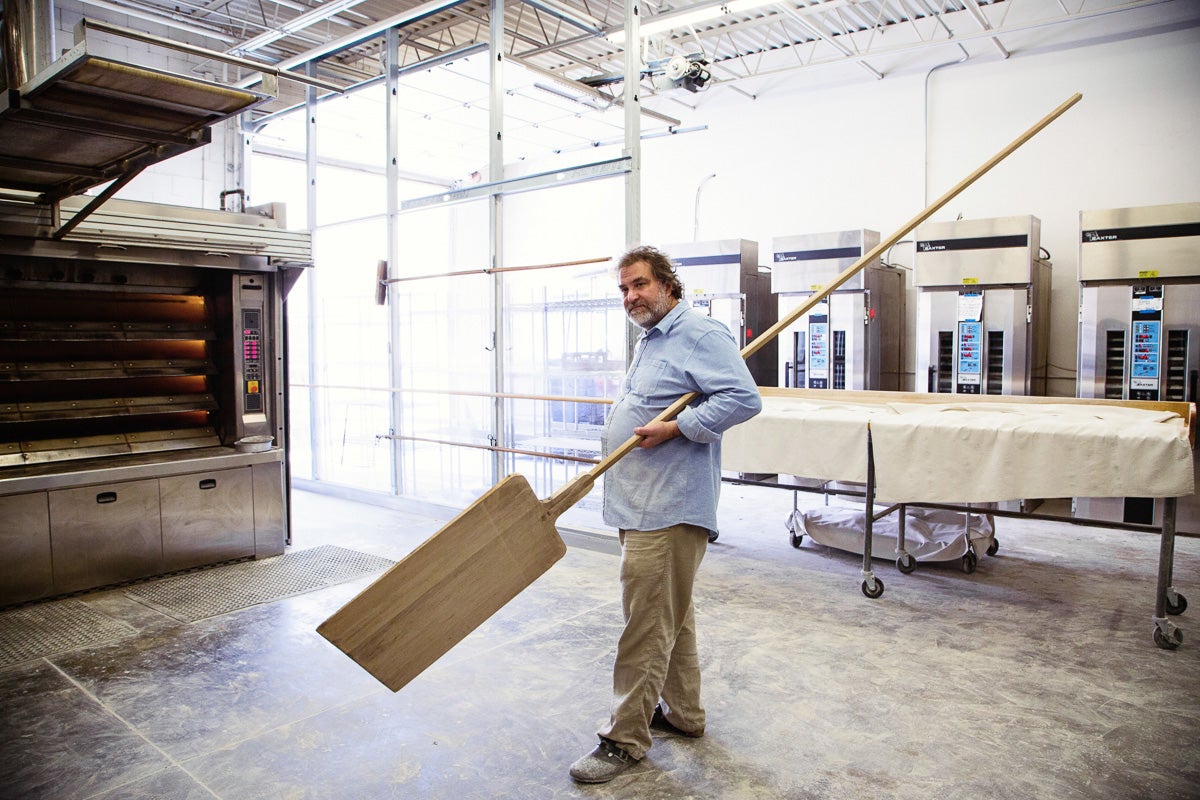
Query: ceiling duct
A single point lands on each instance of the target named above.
(28, 34)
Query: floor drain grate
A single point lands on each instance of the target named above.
(45, 629)
(208, 593)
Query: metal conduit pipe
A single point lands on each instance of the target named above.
(965, 56)
(696, 210)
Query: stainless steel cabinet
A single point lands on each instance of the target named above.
(25, 566)
(116, 525)
(105, 534)
(270, 511)
(206, 517)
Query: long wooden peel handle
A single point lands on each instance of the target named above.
(575, 489)
(668, 413)
(796, 313)
(571, 492)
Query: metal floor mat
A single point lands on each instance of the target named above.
(48, 628)
(210, 592)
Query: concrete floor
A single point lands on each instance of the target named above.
(1034, 677)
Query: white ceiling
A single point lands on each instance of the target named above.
(549, 60)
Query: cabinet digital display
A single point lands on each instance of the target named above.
(1145, 357)
(818, 351)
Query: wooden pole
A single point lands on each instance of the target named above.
(770, 333)
(449, 585)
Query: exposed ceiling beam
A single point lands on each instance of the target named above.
(361, 35)
(296, 24)
(576, 86)
(564, 12)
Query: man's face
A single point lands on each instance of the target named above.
(646, 300)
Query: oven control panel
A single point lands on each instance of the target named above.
(252, 371)
(252, 353)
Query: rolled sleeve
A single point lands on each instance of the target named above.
(728, 393)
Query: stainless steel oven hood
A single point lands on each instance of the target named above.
(86, 120)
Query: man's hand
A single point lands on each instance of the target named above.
(656, 433)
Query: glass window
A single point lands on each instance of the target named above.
(273, 177)
(401, 397)
(300, 427)
(566, 333)
(351, 341)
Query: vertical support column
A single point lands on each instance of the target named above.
(633, 144)
(633, 122)
(239, 160)
(310, 188)
(496, 223)
(236, 147)
(392, 112)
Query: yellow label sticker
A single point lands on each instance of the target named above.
(970, 281)
(1147, 273)
(816, 287)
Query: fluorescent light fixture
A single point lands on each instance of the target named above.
(688, 16)
(299, 23)
(443, 59)
(579, 19)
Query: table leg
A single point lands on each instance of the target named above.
(1166, 635)
(871, 586)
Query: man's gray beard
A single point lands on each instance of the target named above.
(653, 315)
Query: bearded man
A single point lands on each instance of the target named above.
(662, 498)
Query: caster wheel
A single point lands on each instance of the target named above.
(969, 562)
(1174, 609)
(797, 538)
(873, 593)
(712, 536)
(906, 563)
(1168, 642)
(994, 547)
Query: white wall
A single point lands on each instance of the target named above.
(855, 155)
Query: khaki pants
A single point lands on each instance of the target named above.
(656, 654)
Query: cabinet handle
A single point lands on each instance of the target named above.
(208, 483)
(106, 497)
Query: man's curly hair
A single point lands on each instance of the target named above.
(660, 267)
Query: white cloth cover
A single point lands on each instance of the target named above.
(969, 452)
(929, 534)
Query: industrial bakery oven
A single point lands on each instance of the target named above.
(852, 340)
(983, 307)
(1139, 325)
(721, 279)
(142, 403)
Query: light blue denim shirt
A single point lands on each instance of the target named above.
(678, 481)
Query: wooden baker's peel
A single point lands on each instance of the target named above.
(449, 585)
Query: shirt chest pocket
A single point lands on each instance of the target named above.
(648, 376)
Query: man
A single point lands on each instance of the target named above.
(662, 498)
